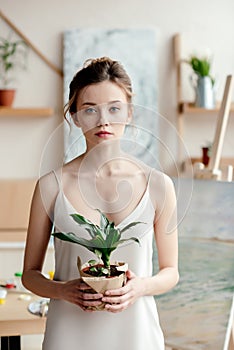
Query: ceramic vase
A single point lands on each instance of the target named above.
(205, 95)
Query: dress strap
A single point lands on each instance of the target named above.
(58, 178)
(149, 176)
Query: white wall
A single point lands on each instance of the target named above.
(203, 24)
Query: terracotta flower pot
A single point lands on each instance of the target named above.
(102, 284)
(7, 97)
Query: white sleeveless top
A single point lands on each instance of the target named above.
(137, 327)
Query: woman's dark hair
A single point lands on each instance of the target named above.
(96, 71)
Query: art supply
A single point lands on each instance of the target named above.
(8, 285)
(51, 274)
(3, 294)
(25, 297)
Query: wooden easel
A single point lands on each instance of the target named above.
(213, 172)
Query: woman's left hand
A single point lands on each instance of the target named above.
(120, 299)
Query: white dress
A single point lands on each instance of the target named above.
(136, 328)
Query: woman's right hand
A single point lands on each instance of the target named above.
(79, 293)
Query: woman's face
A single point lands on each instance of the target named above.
(102, 112)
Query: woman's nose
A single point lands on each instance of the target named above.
(103, 118)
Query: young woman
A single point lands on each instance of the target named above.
(126, 190)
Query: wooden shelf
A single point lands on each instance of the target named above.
(26, 112)
(223, 166)
(189, 108)
(223, 161)
(186, 108)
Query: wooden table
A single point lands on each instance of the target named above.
(16, 320)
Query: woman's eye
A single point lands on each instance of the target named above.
(90, 110)
(114, 109)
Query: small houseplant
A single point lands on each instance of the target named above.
(100, 274)
(201, 67)
(12, 56)
(204, 82)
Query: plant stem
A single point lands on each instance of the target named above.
(106, 262)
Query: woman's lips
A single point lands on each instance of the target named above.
(103, 134)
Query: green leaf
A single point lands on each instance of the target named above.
(93, 269)
(92, 262)
(81, 220)
(112, 238)
(91, 231)
(98, 253)
(200, 66)
(112, 224)
(129, 239)
(104, 270)
(103, 220)
(92, 245)
(131, 225)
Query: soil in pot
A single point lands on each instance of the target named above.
(96, 271)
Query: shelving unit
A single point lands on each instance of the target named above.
(184, 109)
(188, 108)
(26, 112)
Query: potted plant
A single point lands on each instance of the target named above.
(12, 56)
(203, 83)
(100, 274)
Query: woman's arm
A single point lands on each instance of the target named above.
(38, 236)
(39, 231)
(166, 237)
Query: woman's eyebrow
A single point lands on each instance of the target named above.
(114, 101)
(89, 104)
(95, 104)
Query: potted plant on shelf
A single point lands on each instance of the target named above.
(100, 274)
(12, 56)
(204, 83)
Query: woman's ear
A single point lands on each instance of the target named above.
(75, 119)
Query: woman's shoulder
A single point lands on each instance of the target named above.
(161, 187)
(59, 171)
(48, 178)
(156, 178)
(49, 184)
(159, 177)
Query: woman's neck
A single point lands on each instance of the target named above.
(105, 159)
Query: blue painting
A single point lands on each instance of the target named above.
(195, 314)
(136, 50)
